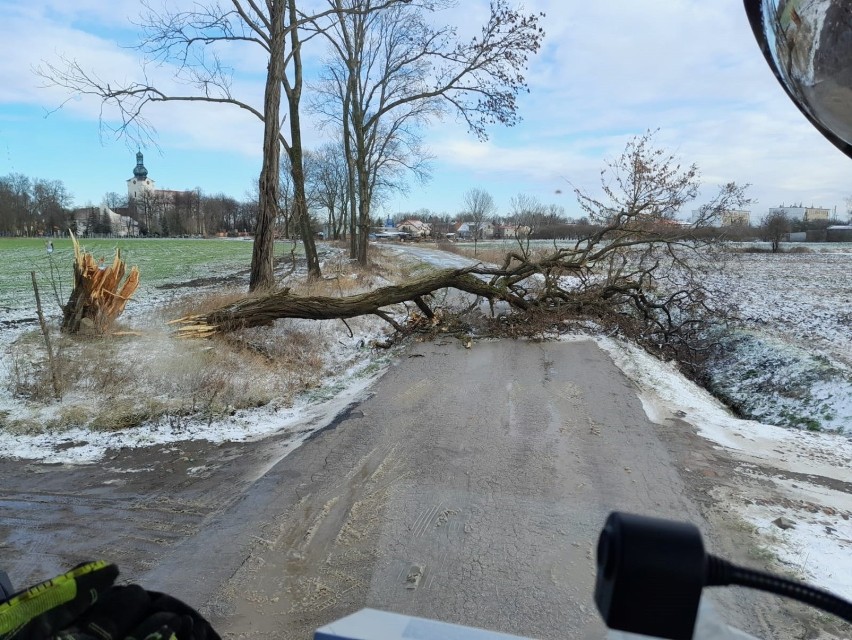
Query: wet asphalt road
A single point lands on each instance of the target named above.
(469, 488)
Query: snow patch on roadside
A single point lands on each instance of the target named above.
(309, 413)
(802, 467)
(819, 546)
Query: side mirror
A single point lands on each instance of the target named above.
(808, 45)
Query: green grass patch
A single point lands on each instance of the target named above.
(160, 261)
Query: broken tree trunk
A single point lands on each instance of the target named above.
(100, 291)
(260, 311)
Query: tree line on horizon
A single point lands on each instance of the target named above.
(37, 207)
(34, 207)
(44, 207)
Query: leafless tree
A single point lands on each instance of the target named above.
(392, 73)
(646, 260)
(115, 201)
(293, 91)
(33, 206)
(479, 207)
(328, 178)
(774, 226)
(220, 213)
(527, 214)
(191, 42)
(49, 205)
(16, 204)
(285, 222)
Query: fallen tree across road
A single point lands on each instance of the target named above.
(263, 310)
(640, 270)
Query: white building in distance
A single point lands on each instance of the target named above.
(802, 214)
(89, 219)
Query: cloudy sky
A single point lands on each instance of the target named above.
(607, 71)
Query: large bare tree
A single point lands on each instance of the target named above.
(191, 41)
(392, 72)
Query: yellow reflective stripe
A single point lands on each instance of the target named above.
(43, 597)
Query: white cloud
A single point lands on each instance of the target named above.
(607, 71)
(610, 70)
(32, 39)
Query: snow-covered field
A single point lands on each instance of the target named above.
(799, 475)
(799, 316)
(791, 364)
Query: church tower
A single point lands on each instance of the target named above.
(140, 184)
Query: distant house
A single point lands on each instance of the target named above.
(101, 219)
(502, 231)
(415, 228)
(463, 230)
(735, 218)
(467, 230)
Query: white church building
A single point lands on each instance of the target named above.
(146, 209)
(140, 186)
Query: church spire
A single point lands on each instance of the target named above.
(140, 172)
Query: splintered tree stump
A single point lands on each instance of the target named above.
(101, 291)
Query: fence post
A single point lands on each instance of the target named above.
(50, 361)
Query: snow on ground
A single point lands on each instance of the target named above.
(309, 413)
(801, 302)
(791, 364)
(350, 366)
(810, 474)
(432, 256)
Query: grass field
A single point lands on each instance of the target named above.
(160, 261)
(144, 373)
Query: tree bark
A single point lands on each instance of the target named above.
(253, 312)
(262, 264)
(350, 164)
(364, 194)
(294, 95)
